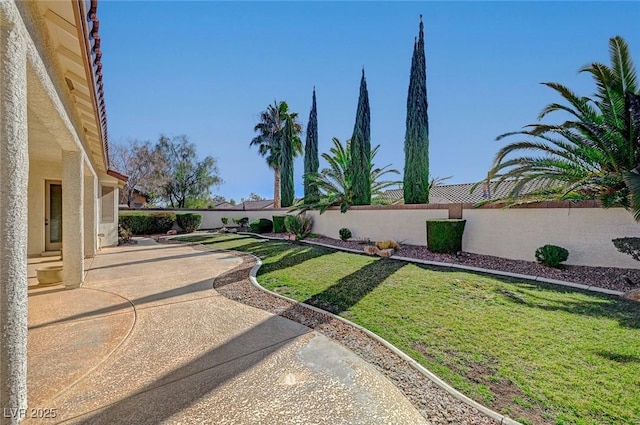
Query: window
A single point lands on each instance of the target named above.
(108, 204)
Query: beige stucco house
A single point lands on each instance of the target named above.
(57, 192)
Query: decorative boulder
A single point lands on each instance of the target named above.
(386, 253)
(633, 295)
(371, 250)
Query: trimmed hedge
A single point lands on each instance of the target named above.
(147, 224)
(445, 235)
(278, 224)
(261, 226)
(189, 222)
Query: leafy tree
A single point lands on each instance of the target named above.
(311, 162)
(278, 128)
(253, 197)
(593, 154)
(416, 141)
(141, 162)
(335, 182)
(186, 178)
(360, 149)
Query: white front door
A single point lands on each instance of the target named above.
(53, 216)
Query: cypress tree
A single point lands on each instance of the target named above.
(416, 141)
(361, 149)
(311, 162)
(287, 190)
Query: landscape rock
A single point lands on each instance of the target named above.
(386, 253)
(633, 295)
(371, 250)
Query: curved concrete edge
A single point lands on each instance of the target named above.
(112, 352)
(501, 419)
(463, 267)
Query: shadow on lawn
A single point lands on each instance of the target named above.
(626, 312)
(349, 290)
(291, 254)
(619, 358)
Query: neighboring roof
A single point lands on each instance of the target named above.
(247, 205)
(461, 192)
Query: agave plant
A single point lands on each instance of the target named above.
(335, 182)
(594, 154)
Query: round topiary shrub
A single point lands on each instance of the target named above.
(261, 226)
(445, 235)
(345, 233)
(278, 224)
(189, 222)
(551, 255)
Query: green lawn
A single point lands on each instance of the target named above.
(537, 353)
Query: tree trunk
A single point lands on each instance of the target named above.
(276, 187)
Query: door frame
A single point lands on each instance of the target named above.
(48, 245)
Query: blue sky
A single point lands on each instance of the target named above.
(207, 69)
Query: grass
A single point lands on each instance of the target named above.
(537, 353)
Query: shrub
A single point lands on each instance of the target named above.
(278, 223)
(300, 225)
(388, 244)
(147, 224)
(261, 226)
(189, 222)
(445, 235)
(629, 246)
(162, 222)
(551, 255)
(225, 220)
(345, 233)
(124, 235)
(242, 222)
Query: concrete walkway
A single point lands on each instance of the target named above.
(147, 340)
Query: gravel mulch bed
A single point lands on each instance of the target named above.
(617, 279)
(436, 405)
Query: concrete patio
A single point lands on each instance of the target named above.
(147, 340)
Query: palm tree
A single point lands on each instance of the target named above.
(336, 183)
(278, 126)
(594, 154)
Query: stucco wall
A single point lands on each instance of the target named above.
(39, 171)
(510, 233)
(517, 232)
(405, 225)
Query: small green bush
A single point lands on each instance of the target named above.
(551, 255)
(278, 223)
(189, 222)
(445, 235)
(300, 225)
(629, 246)
(261, 226)
(242, 222)
(225, 220)
(345, 233)
(147, 224)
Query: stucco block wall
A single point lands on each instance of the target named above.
(517, 232)
(406, 225)
(39, 172)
